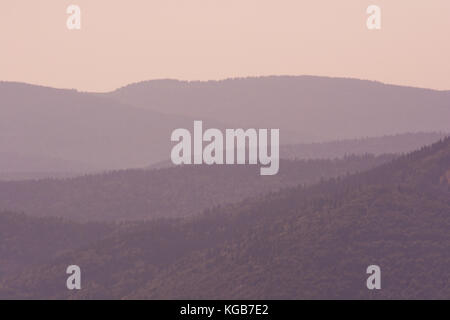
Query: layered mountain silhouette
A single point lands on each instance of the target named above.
(81, 127)
(131, 126)
(389, 144)
(95, 190)
(305, 108)
(301, 242)
(172, 192)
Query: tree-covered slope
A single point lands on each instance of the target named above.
(170, 192)
(26, 242)
(303, 242)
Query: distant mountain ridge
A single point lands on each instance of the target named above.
(309, 108)
(82, 127)
(131, 126)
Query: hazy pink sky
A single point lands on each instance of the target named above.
(125, 41)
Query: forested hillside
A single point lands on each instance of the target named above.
(301, 242)
(26, 242)
(170, 192)
(390, 144)
(400, 143)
